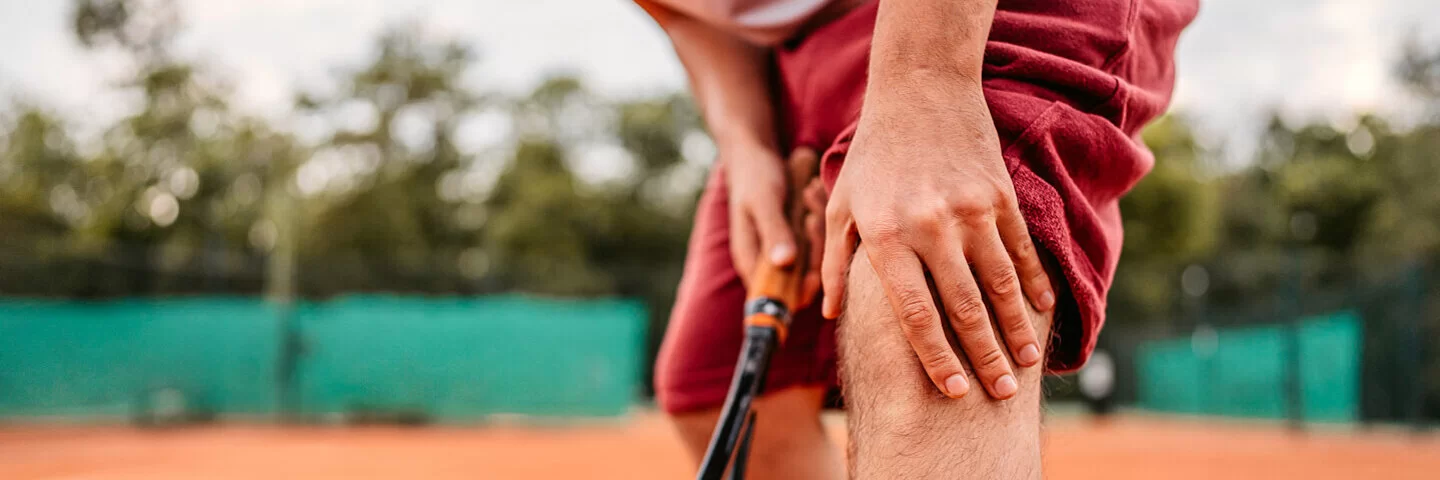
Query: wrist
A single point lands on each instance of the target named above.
(904, 66)
(925, 88)
(929, 51)
(744, 148)
(741, 138)
(918, 106)
(747, 161)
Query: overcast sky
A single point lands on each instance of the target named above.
(1240, 58)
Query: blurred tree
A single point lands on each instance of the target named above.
(1419, 71)
(40, 200)
(145, 29)
(167, 199)
(551, 231)
(388, 178)
(189, 168)
(1297, 217)
(1170, 221)
(540, 225)
(1406, 226)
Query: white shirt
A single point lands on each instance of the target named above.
(764, 22)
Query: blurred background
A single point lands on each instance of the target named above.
(302, 216)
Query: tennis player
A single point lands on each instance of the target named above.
(973, 154)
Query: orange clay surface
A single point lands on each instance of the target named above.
(642, 447)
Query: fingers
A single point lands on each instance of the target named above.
(903, 278)
(1028, 268)
(996, 272)
(743, 244)
(966, 311)
(776, 239)
(814, 198)
(815, 233)
(840, 241)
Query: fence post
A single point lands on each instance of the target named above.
(280, 289)
(1302, 230)
(1410, 346)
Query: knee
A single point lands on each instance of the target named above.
(883, 375)
(901, 422)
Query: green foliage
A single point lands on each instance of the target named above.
(40, 197)
(1169, 220)
(1419, 69)
(145, 29)
(372, 187)
(1323, 207)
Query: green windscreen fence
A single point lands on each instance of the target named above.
(448, 358)
(1245, 372)
(101, 358)
(460, 358)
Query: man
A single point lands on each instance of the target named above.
(974, 153)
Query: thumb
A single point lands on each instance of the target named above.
(815, 232)
(840, 241)
(776, 240)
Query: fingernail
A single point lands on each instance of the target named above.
(1029, 355)
(1047, 300)
(956, 386)
(1005, 386)
(781, 253)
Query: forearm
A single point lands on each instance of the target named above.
(728, 78)
(928, 54)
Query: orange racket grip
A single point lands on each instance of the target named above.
(775, 290)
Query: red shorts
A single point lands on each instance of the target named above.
(1068, 83)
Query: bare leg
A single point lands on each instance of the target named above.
(789, 440)
(901, 426)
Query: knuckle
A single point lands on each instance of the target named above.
(969, 315)
(926, 216)
(1006, 201)
(1040, 277)
(933, 210)
(1017, 320)
(1004, 283)
(914, 214)
(991, 360)
(971, 203)
(926, 225)
(934, 359)
(1026, 250)
(886, 233)
(976, 217)
(1017, 330)
(915, 315)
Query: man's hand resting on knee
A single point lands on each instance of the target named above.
(926, 190)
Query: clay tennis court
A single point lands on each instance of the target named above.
(641, 447)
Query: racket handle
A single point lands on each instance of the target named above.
(775, 290)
